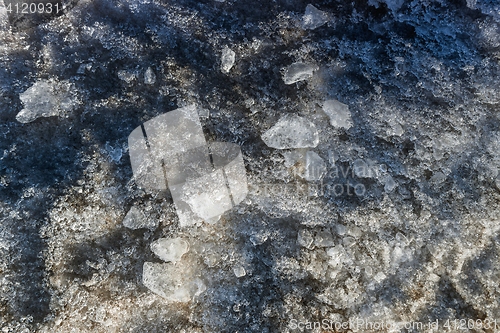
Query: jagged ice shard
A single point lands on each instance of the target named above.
(170, 151)
(292, 132)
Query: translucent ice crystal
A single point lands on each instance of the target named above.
(175, 283)
(127, 75)
(239, 271)
(136, 219)
(291, 132)
(298, 71)
(315, 167)
(46, 98)
(339, 114)
(227, 59)
(170, 151)
(313, 18)
(170, 249)
(149, 76)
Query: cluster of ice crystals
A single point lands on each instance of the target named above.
(298, 71)
(149, 76)
(46, 98)
(292, 132)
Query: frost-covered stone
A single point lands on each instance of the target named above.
(47, 98)
(227, 59)
(170, 249)
(136, 219)
(313, 18)
(292, 132)
(299, 71)
(339, 114)
(315, 167)
(149, 76)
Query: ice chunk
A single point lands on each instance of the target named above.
(176, 155)
(292, 157)
(127, 75)
(298, 71)
(313, 18)
(175, 283)
(239, 271)
(390, 184)
(305, 238)
(339, 114)
(291, 132)
(170, 249)
(227, 59)
(47, 98)
(149, 76)
(315, 167)
(135, 219)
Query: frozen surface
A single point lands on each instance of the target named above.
(291, 132)
(400, 224)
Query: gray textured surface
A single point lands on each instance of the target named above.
(418, 241)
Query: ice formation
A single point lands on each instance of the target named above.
(46, 98)
(292, 132)
(175, 283)
(227, 59)
(136, 219)
(315, 167)
(313, 18)
(339, 114)
(205, 180)
(149, 76)
(298, 71)
(170, 249)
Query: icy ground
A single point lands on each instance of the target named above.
(370, 133)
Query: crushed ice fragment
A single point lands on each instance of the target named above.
(170, 249)
(175, 283)
(239, 271)
(390, 184)
(136, 219)
(313, 18)
(315, 167)
(47, 98)
(227, 59)
(298, 71)
(149, 76)
(205, 180)
(305, 239)
(291, 132)
(127, 75)
(339, 114)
